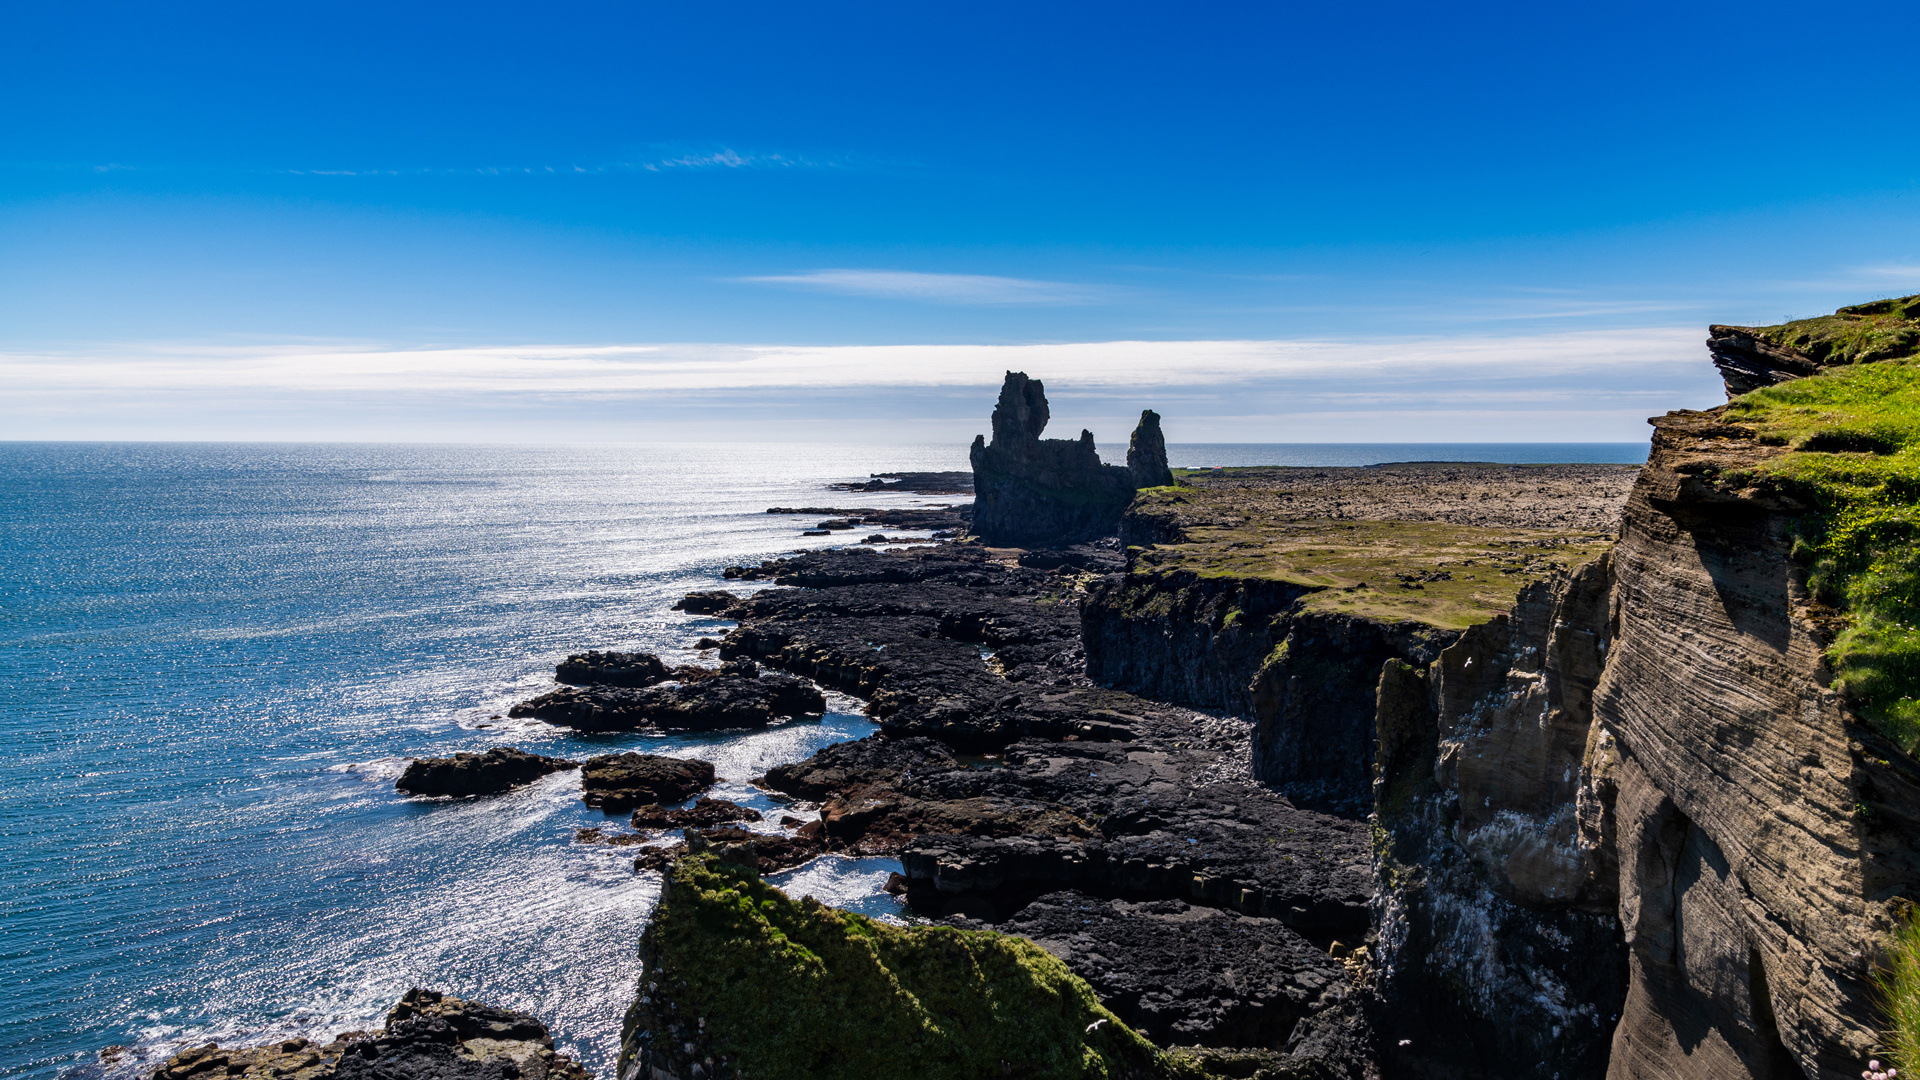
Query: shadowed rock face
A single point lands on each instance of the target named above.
(1147, 453)
(1031, 491)
(1141, 959)
(1753, 887)
(1750, 357)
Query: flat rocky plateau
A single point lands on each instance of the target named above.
(1586, 498)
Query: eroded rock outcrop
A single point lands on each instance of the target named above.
(427, 1036)
(1498, 951)
(619, 782)
(1750, 357)
(1184, 974)
(1034, 491)
(734, 696)
(499, 769)
(612, 669)
(739, 979)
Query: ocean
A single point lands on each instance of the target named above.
(218, 657)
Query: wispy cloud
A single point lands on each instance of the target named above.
(658, 160)
(938, 288)
(1542, 387)
(1395, 366)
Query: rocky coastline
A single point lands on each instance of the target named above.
(1416, 771)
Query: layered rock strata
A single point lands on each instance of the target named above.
(1753, 884)
(1750, 357)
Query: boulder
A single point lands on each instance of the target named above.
(497, 770)
(427, 1036)
(624, 781)
(612, 669)
(708, 811)
(706, 603)
(708, 702)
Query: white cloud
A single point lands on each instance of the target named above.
(1390, 368)
(937, 288)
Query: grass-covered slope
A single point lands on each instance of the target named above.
(1881, 330)
(775, 989)
(1432, 572)
(1855, 438)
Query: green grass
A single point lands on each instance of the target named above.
(1900, 997)
(1882, 330)
(1443, 575)
(797, 989)
(1854, 433)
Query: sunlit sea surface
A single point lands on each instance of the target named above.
(216, 659)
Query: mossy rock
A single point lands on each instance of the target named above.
(1854, 439)
(1863, 333)
(748, 982)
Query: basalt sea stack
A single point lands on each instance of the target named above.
(1030, 491)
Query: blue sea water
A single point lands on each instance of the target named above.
(217, 657)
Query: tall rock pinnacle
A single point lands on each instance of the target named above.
(1030, 491)
(1147, 453)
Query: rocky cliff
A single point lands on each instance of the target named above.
(1725, 807)
(1636, 744)
(1498, 951)
(1278, 596)
(1750, 357)
(1030, 491)
(1761, 829)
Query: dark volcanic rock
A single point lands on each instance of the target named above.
(725, 700)
(1029, 490)
(428, 1036)
(1147, 453)
(922, 483)
(708, 811)
(611, 669)
(1185, 975)
(768, 853)
(712, 602)
(624, 781)
(497, 770)
(915, 653)
(1100, 556)
(863, 762)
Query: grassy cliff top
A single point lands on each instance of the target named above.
(1448, 544)
(1854, 435)
(797, 989)
(1862, 333)
(1434, 572)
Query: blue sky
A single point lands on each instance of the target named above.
(626, 221)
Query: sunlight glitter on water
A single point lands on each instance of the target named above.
(222, 658)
